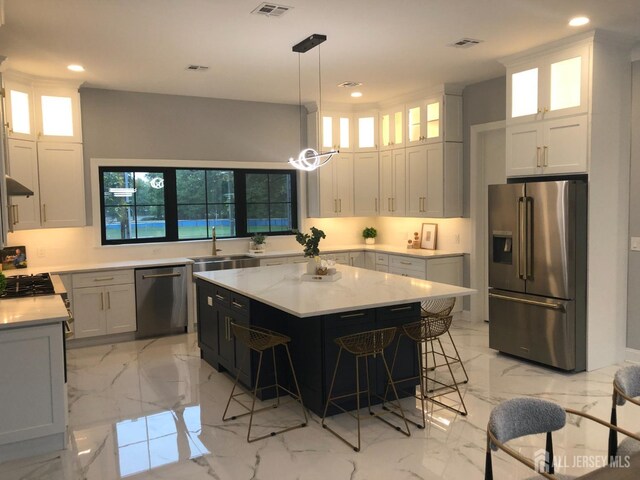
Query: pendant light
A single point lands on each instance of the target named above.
(309, 159)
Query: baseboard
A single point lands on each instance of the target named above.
(463, 315)
(632, 355)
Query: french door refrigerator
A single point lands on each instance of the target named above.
(537, 271)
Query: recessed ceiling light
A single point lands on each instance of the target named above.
(356, 94)
(76, 68)
(578, 21)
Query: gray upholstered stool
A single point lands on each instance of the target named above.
(519, 417)
(260, 340)
(363, 346)
(626, 387)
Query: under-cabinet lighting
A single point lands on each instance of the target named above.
(578, 21)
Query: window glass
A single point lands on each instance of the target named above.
(57, 117)
(173, 204)
(20, 118)
(524, 93)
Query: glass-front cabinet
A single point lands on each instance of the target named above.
(336, 132)
(549, 86)
(20, 110)
(392, 128)
(366, 124)
(434, 120)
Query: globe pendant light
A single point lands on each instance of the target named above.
(309, 159)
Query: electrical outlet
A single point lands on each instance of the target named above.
(155, 251)
(456, 238)
(40, 252)
(635, 244)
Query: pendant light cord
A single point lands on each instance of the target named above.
(299, 104)
(319, 102)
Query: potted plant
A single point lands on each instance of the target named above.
(370, 235)
(258, 243)
(3, 283)
(311, 244)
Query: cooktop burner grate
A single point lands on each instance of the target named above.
(28, 286)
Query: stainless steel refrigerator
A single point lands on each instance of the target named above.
(538, 270)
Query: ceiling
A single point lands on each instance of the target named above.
(393, 47)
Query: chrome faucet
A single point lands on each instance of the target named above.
(214, 249)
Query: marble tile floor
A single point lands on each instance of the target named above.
(151, 409)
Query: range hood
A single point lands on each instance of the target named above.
(16, 189)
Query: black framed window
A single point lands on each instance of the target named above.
(142, 204)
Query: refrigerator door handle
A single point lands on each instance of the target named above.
(522, 240)
(528, 273)
(552, 306)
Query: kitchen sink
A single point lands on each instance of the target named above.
(216, 262)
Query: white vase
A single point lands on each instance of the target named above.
(311, 266)
(370, 241)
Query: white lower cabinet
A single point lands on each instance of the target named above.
(33, 395)
(273, 261)
(104, 309)
(407, 266)
(447, 270)
(363, 260)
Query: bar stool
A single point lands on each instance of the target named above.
(259, 340)
(364, 345)
(428, 330)
(441, 307)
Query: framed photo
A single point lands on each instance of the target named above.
(13, 257)
(429, 236)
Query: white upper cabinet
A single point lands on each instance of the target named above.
(58, 114)
(365, 184)
(366, 130)
(392, 128)
(20, 110)
(548, 111)
(40, 110)
(23, 167)
(392, 182)
(336, 132)
(330, 188)
(434, 120)
(548, 86)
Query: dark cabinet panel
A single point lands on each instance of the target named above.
(207, 324)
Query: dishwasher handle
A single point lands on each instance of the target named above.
(161, 275)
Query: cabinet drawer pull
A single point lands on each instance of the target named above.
(400, 309)
(405, 263)
(108, 300)
(101, 300)
(353, 315)
(545, 156)
(538, 157)
(161, 275)
(219, 297)
(236, 304)
(102, 279)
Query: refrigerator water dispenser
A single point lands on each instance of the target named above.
(502, 247)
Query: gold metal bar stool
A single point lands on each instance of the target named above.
(362, 346)
(428, 330)
(441, 307)
(259, 340)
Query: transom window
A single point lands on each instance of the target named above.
(172, 204)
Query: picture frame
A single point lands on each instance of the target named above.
(428, 239)
(13, 257)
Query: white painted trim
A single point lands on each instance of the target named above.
(632, 355)
(477, 210)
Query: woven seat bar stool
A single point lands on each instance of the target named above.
(260, 340)
(363, 346)
(441, 307)
(428, 330)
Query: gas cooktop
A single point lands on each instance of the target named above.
(28, 286)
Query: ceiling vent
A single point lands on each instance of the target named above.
(271, 10)
(465, 43)
(349, 84)
(197, 68)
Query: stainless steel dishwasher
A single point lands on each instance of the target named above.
(161, 301)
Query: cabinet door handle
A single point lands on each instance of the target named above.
(375, 203)
(219, 297)
(400, 309)
(237, 305)
(101, 300)
(17, 213)
(545, 156)
(108, 300)
(335, 206)
(340, 205)
(538, 156)
(353, 315)
(102, 279)
(389, 204)
(44, 212)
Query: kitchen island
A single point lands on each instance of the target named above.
(313, 314)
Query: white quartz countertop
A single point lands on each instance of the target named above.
(28, 311)
(281, 287)
(97, 266)
(390, 249)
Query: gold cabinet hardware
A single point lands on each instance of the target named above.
(545, 156)
(538, 156)
(101, 300)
